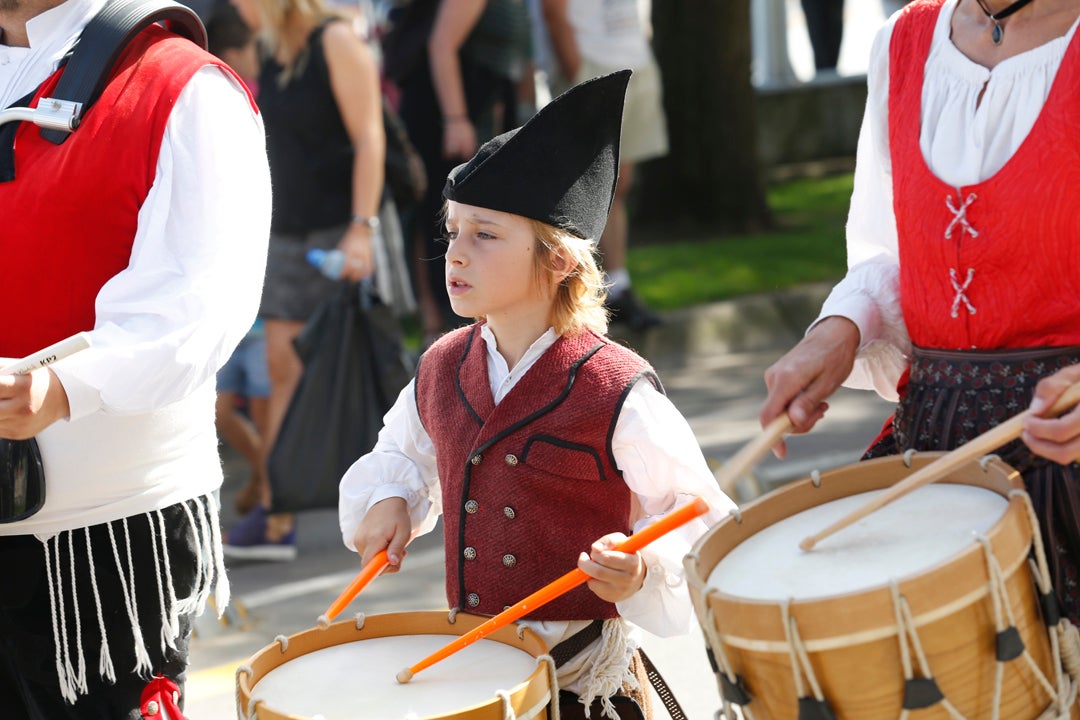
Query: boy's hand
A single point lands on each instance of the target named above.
(615, 576)
(385, 527)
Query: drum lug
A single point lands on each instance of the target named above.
(921, 693)
(734, 692)
(814, 709)
(1009, 644)
(1050, 609)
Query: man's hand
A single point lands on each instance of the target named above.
(30, 403)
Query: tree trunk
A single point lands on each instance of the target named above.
(711, 179)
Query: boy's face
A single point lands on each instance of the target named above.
(490, 268)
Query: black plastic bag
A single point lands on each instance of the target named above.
(354, 367)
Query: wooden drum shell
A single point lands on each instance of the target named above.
(525, 697)
(851, 639)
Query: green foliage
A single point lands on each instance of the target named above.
(807, 245)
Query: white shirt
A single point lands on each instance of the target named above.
(614, 33)
(654, 448)
(963, 140)
(141, 432)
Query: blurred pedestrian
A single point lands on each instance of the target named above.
(146, 228)
(825, 25)
(960, 295)
(232, 40)
(590, 38)
(452, 98)
(243, 384)
(322, 105)
(243, 390)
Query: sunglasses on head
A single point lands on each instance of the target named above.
(22, 479)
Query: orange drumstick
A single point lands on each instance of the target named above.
(369, 572)
(561, 586)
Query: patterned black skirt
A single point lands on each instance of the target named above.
(954, 396)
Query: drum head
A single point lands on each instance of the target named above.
(346, 673)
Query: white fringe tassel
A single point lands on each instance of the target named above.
(67, 625)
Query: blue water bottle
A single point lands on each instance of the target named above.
(331, 263)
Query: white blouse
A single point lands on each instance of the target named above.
(964, 141)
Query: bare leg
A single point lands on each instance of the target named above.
(243, 435)
(616, 233)
(285, 369)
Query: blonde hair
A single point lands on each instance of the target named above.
(287, 24)
(578, 304)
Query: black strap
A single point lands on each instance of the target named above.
(662, 690)
(580, 640)
(571, 646)
(103, 41)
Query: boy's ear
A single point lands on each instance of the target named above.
(562, 266)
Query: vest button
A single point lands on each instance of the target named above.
(511, 460)
(473, 600)
(471, 506)
(509, 512)
(469, 553)
(475, 459)
(152, 708)
(509, 560)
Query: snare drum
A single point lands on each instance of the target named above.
(349, 672)
(908, 609)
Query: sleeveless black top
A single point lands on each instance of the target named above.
(310, 153)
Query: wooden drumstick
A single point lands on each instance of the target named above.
(556, 588)
(368, 573)
(752, 452)
(975, 448)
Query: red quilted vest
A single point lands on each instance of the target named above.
(997, 264)
(70, 214)
(530, 483)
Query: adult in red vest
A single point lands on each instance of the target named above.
(961, 294)
(147, 229)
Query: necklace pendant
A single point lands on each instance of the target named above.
(997, 34)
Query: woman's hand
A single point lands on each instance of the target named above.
(459, 138)
(800, 381)
(1056, 439)
(386, 526)
(614, 576)
(359, 255)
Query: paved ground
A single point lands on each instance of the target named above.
(711, 361)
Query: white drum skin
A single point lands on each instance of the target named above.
(905, 537)
(356, 680)
(347, 671)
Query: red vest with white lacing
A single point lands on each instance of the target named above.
(530, 483)
(996, 264)
(70, 214)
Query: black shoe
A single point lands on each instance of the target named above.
(627, 308)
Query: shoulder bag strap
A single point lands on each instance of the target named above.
(99, 47)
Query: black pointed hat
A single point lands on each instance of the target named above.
(559, 168)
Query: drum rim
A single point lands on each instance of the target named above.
(729, 612)
(528, 697)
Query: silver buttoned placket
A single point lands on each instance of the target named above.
(468, 554)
